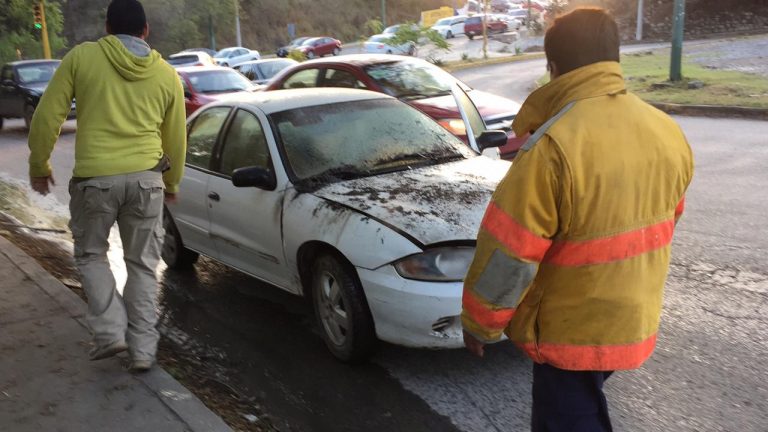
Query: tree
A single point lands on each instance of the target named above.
(412, 33)
(17, 30)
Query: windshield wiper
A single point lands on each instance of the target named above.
(420, 158)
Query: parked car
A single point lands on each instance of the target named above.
(520, 14)
(190, 58)
(206, 84)
(261, 71)
(208, 51)
(513, 23)
(234, 55)
(473, 26)
(379, 44)
(325, 194)
(393, 28)
(284, 50)
(412, 80)
(21, 85)
(319, 47)
(451, 26)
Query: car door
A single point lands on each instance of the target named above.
(11, 101)
(246, 221)
(457, 26)
(192, 211)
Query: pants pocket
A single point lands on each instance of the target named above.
(150, 195)
(95, 196)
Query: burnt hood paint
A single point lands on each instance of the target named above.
(432, 204)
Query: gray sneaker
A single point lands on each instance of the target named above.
(106, 351)
(140, 365)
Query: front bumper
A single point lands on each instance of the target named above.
(413, 313)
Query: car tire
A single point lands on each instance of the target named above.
(29, 111)
(175, 255)
(342, 312)
(412, 50)
(310, 54)
(449, 35)
(336, 51)
(470, 36)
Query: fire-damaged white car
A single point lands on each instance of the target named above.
(351, 198)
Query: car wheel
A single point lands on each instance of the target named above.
(341, 310)
(310, 54)
(175, 255)
(389, 51)
(470, 36)
(336, 51)
(29, 111)
(412, 50)
(449, 35)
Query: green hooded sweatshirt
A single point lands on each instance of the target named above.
(130, 111)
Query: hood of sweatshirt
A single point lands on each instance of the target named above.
(126, 63)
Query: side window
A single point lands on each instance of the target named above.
(340, 78)
(202, 136)
(248, 71)
(302, 79)
(245, 144)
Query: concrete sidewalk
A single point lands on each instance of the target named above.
(47, 382)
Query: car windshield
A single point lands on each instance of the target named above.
(391, 29)
(309, 41)
(219, 81)
(36, 73)
(411, 79)
(347, 140)
(379, 38)
(271, 68)
(225, 52)
(444, 21)
(298, 41)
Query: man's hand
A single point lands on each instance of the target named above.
(170, 198)
(40, 184)
(473, 345)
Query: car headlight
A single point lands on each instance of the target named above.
(454, 126)
(443, 264)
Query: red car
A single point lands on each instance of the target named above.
(413, 81)
(473, 26)
(206, 84)
(320, 46)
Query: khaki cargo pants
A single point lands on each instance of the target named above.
(135, 202)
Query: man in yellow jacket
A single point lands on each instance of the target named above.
(574, 248)
(129, 156)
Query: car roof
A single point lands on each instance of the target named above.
(188, 53)
(190, 69)
(362, 59)
(282, 100)
(266, 60)
(29, 62)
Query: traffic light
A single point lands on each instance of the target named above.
(38, 8)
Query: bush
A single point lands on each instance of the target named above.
(297, 55)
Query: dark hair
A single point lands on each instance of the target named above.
(581, 37)
(126, 17)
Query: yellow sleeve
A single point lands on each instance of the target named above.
(173, 133)
(51, 112)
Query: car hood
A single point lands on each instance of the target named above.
(37, 88)
(488, 104)
(432, 204)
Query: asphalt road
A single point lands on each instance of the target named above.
(707, 374)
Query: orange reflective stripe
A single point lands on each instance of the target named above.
(680, 207)
(613, 248)
(592, 357)
(515, 237)
(483, 315)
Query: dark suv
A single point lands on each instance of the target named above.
(473, 26)
(21, 85)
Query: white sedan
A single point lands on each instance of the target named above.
(379, 44)
(350, 198)
(235, 55)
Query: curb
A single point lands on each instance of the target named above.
(459, 65)
(713, 110)
(185, 405)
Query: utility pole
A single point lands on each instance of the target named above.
(678, 21)
(485, 29)
(384, 13)
(639, 30)
(528, 20)
(211, 33)
(41, 25)
(237, 23)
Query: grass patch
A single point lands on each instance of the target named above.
(647, 75)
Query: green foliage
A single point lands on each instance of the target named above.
(374, 26)
(17, 30)
(297, 55)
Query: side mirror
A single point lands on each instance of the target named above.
(491, 138)
(187, 94)
(259, 177)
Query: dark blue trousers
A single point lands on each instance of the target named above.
(571, 401)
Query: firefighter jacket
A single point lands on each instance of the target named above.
(574, 248)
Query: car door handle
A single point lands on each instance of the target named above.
(214, 196)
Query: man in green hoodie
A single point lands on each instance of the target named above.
(129, 156)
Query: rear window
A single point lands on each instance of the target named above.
(184, 59)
